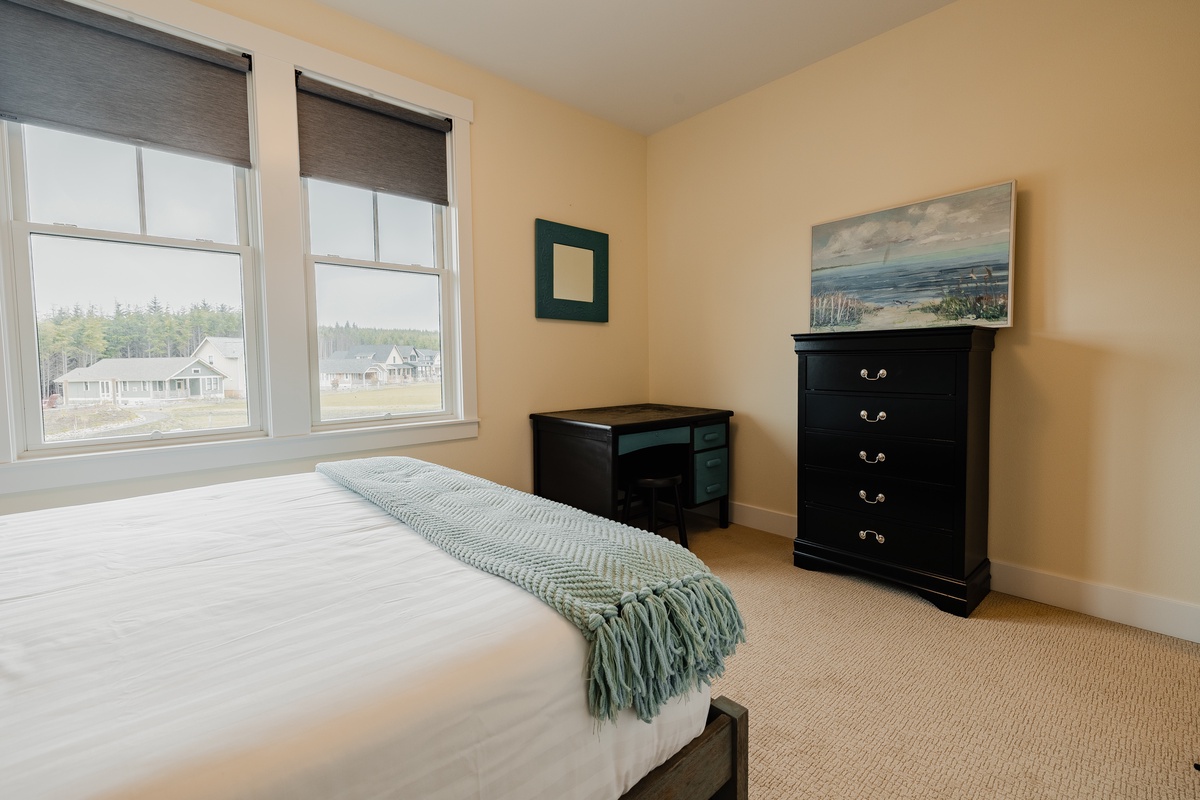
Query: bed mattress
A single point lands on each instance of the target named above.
(286, 638)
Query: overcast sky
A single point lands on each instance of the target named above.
(376, 298)
(70, 272)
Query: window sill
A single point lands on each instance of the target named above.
(41, 472)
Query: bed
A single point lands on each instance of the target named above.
(289, 638)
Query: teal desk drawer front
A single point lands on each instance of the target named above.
(629, 442)
(709, 436)
(711, 474)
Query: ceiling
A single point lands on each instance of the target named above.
(642, 64)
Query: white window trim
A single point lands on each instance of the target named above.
(288, 431)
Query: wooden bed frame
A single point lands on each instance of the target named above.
(713, 766)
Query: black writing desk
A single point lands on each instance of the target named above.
(578, 455)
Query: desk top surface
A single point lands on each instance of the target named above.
(640, 414)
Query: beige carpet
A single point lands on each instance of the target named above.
(857, 689)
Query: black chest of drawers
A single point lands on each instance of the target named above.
(893, 458)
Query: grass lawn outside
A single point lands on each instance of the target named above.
(68, 423)
(372, 401)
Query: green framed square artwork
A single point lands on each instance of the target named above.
(571, 272)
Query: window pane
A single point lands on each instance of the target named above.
(189, 198)
(112, 315)
(379, 340)
(81, 181)
(341, 221)
(406, 232)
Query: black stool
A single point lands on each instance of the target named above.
(651, 485)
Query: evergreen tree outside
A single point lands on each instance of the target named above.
(72, 338)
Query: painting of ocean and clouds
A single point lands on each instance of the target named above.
(940, 262)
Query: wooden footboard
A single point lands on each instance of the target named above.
(713, 765)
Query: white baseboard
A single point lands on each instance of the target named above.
(763, 519)
(1158, 614)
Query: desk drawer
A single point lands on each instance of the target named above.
(925, 418)
(878, 455)
(906, 373)
(708, 436)
(711, 472)
(629, 442)
(908, 501)
(884, 540)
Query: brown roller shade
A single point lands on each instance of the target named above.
(70, 67)
(350, 138)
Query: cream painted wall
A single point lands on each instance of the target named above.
(531, 157)
(1094, 108)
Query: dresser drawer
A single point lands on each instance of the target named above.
(908, 501)
(893, 542)
(881, 415)
(711, 472)
(874, 456)
(904, 373)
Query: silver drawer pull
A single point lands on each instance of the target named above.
(879, 458)
(880, 417)
(862, 495)
(878, 536)
(712, 487)
(713, 462)
(878, 375)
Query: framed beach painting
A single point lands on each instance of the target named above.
(946, 261)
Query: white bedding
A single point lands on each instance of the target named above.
(286, 638)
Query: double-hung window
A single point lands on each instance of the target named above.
(381, 290)
(168, 279)
(126, 155)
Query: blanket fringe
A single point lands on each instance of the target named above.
(660, 643)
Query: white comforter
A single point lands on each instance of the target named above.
(285, 638)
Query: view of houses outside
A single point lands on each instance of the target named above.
(371, 366)
(101, 392)
(136, 260)
(368, 380)
(140, 370)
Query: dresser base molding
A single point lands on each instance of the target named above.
(949, 595)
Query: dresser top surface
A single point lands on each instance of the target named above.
(959, 337)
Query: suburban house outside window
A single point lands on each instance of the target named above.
(142, 243)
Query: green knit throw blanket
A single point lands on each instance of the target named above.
(658, 622)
